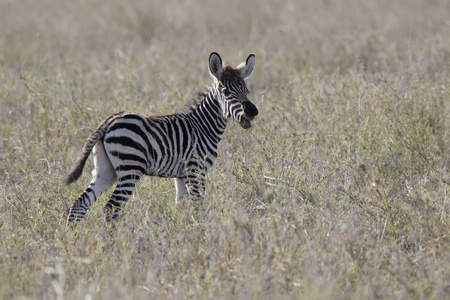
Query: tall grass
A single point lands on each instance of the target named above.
(339, 191)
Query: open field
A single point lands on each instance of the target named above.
(339, 191)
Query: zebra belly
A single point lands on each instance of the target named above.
(177, 170)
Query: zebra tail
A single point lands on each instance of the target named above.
(98, 135)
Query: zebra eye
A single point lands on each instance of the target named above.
(226, 92)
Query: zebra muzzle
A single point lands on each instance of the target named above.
(250, 112)
(245, 123)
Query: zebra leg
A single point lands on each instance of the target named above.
(195, 185)
(103, 176)
(196, 189)
(181, 189)
(124, 189)
(195, 182)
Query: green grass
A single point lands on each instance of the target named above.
(339, 191)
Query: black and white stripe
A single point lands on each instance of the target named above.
(183, 146)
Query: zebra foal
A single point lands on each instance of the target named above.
(183, 146)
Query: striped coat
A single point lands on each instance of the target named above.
(183, 146)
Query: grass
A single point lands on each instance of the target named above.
(339, 191)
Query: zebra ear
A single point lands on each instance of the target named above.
(246, 68)
(215, 65)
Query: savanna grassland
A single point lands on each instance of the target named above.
(339, 191)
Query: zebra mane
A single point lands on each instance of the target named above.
(198, 99)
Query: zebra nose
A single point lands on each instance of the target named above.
(250, 110)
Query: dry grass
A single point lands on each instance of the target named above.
(340, 191)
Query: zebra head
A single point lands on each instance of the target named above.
(233, 90)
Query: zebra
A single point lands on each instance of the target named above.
(182, 146)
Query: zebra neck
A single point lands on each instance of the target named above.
(207, 115)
